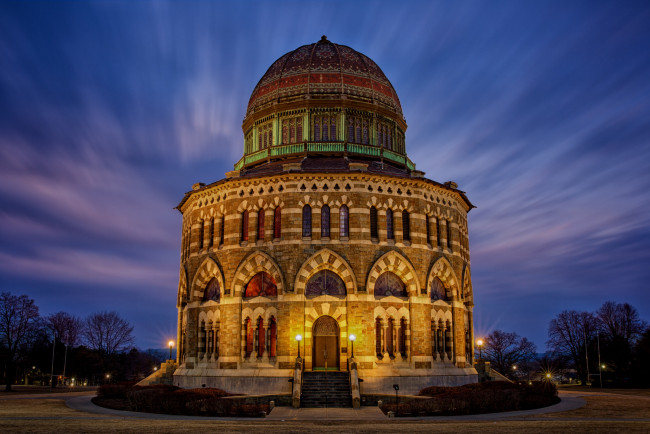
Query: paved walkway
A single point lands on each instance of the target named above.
(83, 403)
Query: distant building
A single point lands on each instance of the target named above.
(325, 229)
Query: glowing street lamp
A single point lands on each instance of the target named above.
(352, 339)
(171, 345)
(479, 342)
(298, 338)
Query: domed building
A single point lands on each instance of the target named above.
(325, 231)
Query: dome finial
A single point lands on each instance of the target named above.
(323, 38)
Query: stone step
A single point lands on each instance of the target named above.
(326, 389)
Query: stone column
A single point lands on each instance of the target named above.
(384, 332)
(264, 344)
(215, 330)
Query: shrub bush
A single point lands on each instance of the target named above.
(118, 390)
(488, 397)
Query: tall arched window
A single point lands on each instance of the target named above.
(374, 233)
(427, 222)
(222, 225)
(390, 234)
(201, 234)
(448, 234)
(261, 337)
(306, 221)
(438, 232)
(406, 226)
(325, 221)
(390, 330)
(344, 222)
(388, 283)
(438, 290)
(273, 337)
(211, 233)
(277, 223)
(402, 337)
(378, 331)
(244, 226)
(260, 224)
(250, 337)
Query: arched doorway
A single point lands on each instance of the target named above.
(325, 351)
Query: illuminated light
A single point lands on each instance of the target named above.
(353, 338)
(298, 338)
(479, 342)
(514, 367)
(171, 343)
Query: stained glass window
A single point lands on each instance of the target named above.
(325, 282)
(244, 226)
(325, 221)
(344, 222)
(262, 284)
(212, 291)
(389, 284)
(438, 291)
(406, 225)
(373, 223)
(277, 223)
(390, 234)
(306, 221)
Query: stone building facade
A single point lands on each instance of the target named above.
(325, 229)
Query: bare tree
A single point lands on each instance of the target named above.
(621, 321)
(107, 332)
(569, 333)
(68, 329)
(505, 350)
(19, 321)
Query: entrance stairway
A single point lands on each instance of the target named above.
(326, 389)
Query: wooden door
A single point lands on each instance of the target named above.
(325, 352)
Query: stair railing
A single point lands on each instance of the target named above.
(354, 384)
(297, 383)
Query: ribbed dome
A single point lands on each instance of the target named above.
(324, 70)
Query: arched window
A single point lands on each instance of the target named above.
(325, 221)
(222, 225)
(244, 226)
(201, 234)
(212, 291)
(277, 223)
(378, 331)
(427, 222)
(390, 234)
(389, 283)
(250, 337)
(438, 232)
(390, 330)
(374, 233)
(448, 224)
(306, 221)
(262, 284)
(344, 222)
(406, 226)
(211, 233)
(438, 290)
(260, 224)
(325, 282)
(261, 337)
(273, 337)
(402, 337)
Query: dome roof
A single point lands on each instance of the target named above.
(324, 70)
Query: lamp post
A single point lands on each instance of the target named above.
(171, 345)
(479, 343)
(298, 338)
(352, 339)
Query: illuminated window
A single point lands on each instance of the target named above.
(438, 290)
(262, 285)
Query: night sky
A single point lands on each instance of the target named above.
(540, 111)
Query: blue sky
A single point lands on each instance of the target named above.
(540, 111)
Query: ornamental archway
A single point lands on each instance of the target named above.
(325, 350)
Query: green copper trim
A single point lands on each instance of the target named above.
(390, 155)
(287, 149)
(410, 164)
(239, 164)
(363, 149)
(256, 156)
(325, 147)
